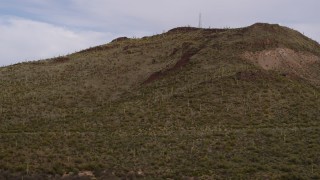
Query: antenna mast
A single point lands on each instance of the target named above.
(200, 21)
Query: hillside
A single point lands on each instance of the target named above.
(207, 103)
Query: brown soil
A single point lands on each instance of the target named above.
(185, 58)
(154, 77)
(281, 58)
(286, 61)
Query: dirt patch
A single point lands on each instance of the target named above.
(287, 62)
(185, 58)
(281, 58)
(154, 77)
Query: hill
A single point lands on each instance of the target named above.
(205, 103)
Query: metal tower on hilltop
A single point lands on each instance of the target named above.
(200, 21)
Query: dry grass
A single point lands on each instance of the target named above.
(215, 117)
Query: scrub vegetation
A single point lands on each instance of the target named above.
(186, 103)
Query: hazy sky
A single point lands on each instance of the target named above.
(35, 29)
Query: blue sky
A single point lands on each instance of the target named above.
(38, 29)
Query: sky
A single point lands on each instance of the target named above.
(40, 29)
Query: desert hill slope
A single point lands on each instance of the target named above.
(207, 103)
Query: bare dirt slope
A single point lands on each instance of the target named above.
(286, 61)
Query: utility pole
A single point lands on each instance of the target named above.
(200, 21)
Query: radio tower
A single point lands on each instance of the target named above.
(200, 21)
